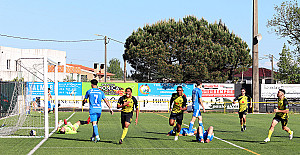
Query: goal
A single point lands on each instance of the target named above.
(24, 101)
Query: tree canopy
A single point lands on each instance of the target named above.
(186, 50)
(115, 68)
(286, 22)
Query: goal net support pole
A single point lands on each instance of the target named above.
(46, 97)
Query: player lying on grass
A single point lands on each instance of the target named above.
(70, 128)
(205, 136)
(183, 132)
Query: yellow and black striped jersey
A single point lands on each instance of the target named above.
(130, 107)
(282, 105)
(243, 102)
(179, 101)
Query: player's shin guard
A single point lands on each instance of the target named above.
(95, 129)
(270, 134)
(125, 130)
(201, 124)
(191, 127)
(76, 126)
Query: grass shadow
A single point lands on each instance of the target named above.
(159, 133)
(82, 140)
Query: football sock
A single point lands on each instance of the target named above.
(201, 124)
(177, 133)
(191, 127)
(209, 136)
(95, 128)
(290, 131)
(88, 120)
(125, 130)
(270, 134)
(201, 136)
(83, 122)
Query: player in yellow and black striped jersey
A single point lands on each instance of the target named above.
(127, 103)
(281, 115)
(243, 100)
(179, 100)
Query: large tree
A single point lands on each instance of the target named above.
(286, 22)
(289, 69)
(115, 68)
(187, 50)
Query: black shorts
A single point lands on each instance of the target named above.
(178, 117)
(241, 114)
(126, 117)
(283, 121)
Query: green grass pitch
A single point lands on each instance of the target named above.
(149, 136)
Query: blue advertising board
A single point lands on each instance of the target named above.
(69, 88)
(64, 88)
(163, 89)
(37, 88)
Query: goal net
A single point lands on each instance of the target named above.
(25, 111)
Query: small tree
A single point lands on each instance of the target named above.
(115, 68)
(289, 69)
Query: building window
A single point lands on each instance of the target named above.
(8, 63)
(84, 78)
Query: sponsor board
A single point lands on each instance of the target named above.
(163, 89)
(270, 90)
(112, 89)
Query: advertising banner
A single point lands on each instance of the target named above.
(37, 88)
(270, 90)
(70, 88)
(64, 88)
(112, 89)
(215, 94)
(163, 89)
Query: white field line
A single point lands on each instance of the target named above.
(44, 140)
(116, 148)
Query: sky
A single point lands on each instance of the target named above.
(117, 19)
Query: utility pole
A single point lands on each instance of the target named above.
(255, 70)
(124, 71)
(105, 43)
(272, 73)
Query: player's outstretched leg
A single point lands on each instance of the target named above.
(96, 133)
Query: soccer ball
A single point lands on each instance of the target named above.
(32, 133)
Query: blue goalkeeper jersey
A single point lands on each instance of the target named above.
(95, 96)
(196, 94)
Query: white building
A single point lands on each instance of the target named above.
(13, 65)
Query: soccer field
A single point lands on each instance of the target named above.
(149, 137)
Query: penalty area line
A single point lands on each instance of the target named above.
(44, 140)
(222, 140)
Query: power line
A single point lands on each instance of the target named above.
(110, 39)
(48, 40)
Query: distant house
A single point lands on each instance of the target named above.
(265, 76)
(87, 74)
